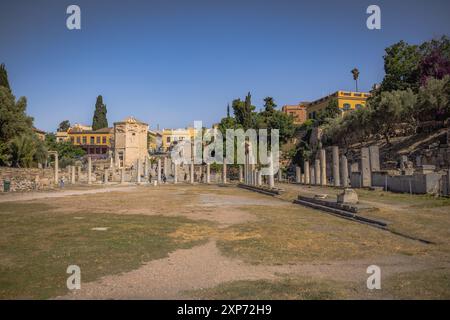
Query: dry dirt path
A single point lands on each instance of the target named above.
(62, 193)
(204, 267)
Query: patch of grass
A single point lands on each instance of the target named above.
(423, 285)
(298, 234)
(284, 289)
(37, 246)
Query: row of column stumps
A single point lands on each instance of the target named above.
(317, 174)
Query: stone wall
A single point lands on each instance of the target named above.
(28, 179)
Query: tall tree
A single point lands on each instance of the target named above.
(355, 73)
(401, 65)
(228, 110)
(243, 111)
(99, 120)
(4, 77)
(269, 105)
(13, 118)
(64, 126)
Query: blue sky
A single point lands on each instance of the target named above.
(170, 62)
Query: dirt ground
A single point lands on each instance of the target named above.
(246, 236)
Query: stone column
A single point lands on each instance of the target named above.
(259, 178)
(89, 170)
(192, 172)
(138, 171)
(208, 173)
(366, 175)
(73, 175)
(105, 176)
(158, 171)
(306, 168)
(323, 167)
(280, 175)
(241, 174)
(165, 167)
(344, 171)
(298, 174)
(146, 169)
(224, 171)
(122, 175)
(56, 169)
(271, 172)
(175, 173)
(374, 154)
(317, 172)
(78, 173)
(336, 176)
(312, 175)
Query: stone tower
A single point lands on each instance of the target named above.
(130, 142)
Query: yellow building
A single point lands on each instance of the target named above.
(170, 136)
(94, 142)
(347, 101)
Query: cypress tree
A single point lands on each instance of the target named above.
(4, 77)
(99, 121)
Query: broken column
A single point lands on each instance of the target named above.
(89, 170)
(323, 167)
(271, 171)
(307, 175)
(158, 171)
(312, 174)
(224, 171)
(192, 173)
(175, 173)
(317, 172)
(146, 169)
(344, 171)
(138, 171)
(335, 156)
(298, 174)
(72, 177)
(208, 173)
(374, 156)
(105, 176)
(366, 175)
(78, 173)
(241, 174)
(56, 169)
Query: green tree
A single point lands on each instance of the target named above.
(4, 77)
(22, 149)
(64, 126)
(13, 118)
(269, 106)
(433, 100)
(391, 110)
(243, 111)
(331, 111)
(99, 120)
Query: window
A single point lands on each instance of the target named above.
(84, 140)
(78, 140)
(347, 106)
(104, 140)
(98, 140)
(358, 106)
(92, 140)
(72, 139)
(168, 139)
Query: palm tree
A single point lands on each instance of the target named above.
(355, 73)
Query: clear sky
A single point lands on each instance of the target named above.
(170, 62)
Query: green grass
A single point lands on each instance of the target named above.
(37, 246)
(420, 285)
